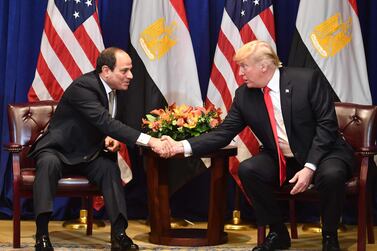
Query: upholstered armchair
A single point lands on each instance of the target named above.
(26, 123)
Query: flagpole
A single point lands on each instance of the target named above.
(236, 223)
(82, 221)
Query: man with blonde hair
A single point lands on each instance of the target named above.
(292, 113)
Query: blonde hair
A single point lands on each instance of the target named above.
(257, 51)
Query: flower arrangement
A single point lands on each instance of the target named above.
(181, 122)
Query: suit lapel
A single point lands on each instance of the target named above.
(102, 92)
(286, 101)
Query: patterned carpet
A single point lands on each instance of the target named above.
(64, 239)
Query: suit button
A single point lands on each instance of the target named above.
(85, 157)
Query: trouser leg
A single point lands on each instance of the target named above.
(330, 178)
(105, 173)
(48, 173)
(259, 177)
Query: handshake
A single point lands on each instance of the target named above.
(166, 146)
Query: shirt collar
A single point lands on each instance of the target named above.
(106, 86)
(274, 82)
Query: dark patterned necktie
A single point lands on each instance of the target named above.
(111, 102)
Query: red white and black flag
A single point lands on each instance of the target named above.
(160, 35)
(329, 38)
(164, 70)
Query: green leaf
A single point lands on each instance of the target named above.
(150, 117)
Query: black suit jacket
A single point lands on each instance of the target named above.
(81, 122)
(309, 117)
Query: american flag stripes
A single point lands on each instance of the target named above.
(243, 21)
(71, 42)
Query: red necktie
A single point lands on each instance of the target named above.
(270, 109)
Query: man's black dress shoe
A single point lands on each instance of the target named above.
(121, 242)
(275, 241)
(330, 243)
(42, 243)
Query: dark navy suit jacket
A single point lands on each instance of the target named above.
(81, 122)
(309, 117)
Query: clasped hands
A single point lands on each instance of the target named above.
(166, 146)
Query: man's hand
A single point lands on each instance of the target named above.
(163, 148)
(177, 146)
(111, 144)
(303, 179)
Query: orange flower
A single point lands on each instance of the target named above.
(192, 121)
(180, 122)
(213, 123)
(157, 112)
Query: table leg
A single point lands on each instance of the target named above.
(158, 198)
(217, 203)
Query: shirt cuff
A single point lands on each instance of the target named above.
(143, 139)
(311, 166)
(187, 150)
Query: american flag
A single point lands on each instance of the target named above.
(71, 43)
(242, 22)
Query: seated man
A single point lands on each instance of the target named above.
(79, 131)
(292, 113)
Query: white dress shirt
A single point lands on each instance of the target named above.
(143, 138)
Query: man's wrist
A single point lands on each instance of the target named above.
(310, 166)
(187, 151)
(144, 139)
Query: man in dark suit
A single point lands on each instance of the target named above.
(291, 111)
(81, 137)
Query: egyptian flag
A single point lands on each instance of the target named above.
(164, 70)
(328, 37)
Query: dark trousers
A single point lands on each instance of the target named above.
(259, 176)
(102, 171)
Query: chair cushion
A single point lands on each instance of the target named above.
(71, 182)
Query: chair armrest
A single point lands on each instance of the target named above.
(13, 148)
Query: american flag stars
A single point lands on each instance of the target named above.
(243, 11)
(88, 3)
(76, 14)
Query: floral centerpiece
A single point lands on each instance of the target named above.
(181, 122)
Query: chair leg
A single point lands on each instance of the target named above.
(16, 222)
(292, 218)
(361, 228)
(89, 226)
(370, 231)
(261, 235)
